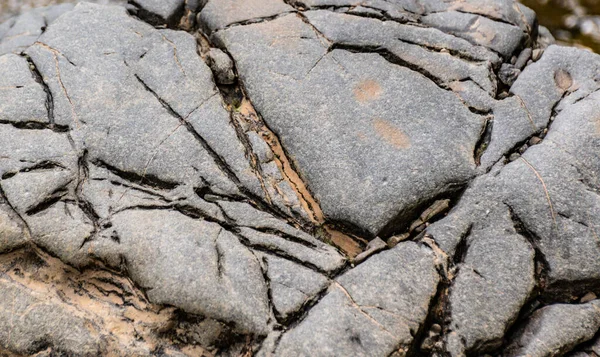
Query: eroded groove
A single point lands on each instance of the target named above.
(147, 180)
(40, 79)
(484, 139)
(245, 110)
(48, 201)
(219, 161)
(393, 59)
(542, 268)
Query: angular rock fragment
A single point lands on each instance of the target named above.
(374, 309)
(554, 330)
(218, 14)
(22, 99)
(195, 265)
(160, 12)
(292, 285)
(495, 279)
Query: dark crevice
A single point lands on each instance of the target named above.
(403, 220)
(279, 253)
(542, 268)
(156, 20)
(256, 20)
(145, 180)
(48, 201)
(462, 247)
(37, 75)
(219, 161)
(455, 53)
(285, 236)
(86, 207)
(40, 166)
(33, 125)
(484, 139)
(220, 256)
(264, 268)
(392, 58)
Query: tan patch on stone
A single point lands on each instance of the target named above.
(563, 79)
(305, 197)
(115, 310)
(391, 134)
(367, 90)
(350, 246)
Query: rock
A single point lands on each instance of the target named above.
(33, 318)
(374, 246)
(218, 14)
(221, 65)
(215, 275)
(23, 30)
(160, 12)
(537, 193)
(181, 188)
(555, 330)
(22, 99)
(292, 285)
(495, 278)
(378, 131)
(369, 310)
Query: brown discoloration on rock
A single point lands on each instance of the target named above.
(391, 134)
(310, 205)
(350, 246)
(563, 79)
(367, 90)
(116, 312)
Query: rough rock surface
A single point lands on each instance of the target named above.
(296, 178)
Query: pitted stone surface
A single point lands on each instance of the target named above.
(296, 178)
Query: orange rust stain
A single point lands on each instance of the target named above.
(308, 202)
(563, 79)
(347, 244)
(367, 90)
(391, 134)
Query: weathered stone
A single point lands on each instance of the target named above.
(135, 155)
(214, 274)
(555, 330)
(218, 14)
(31, 319)
(160, 12)
(353, 121)
(495, 278)
(25, 29)
(222, 66)
(22, 100)
(373, 309)
(292, 285)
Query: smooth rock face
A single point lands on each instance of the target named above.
(296, 178)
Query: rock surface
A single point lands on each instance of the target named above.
(200, 178)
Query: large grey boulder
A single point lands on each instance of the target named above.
(296, 178)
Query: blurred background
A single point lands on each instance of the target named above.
(573, 22)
